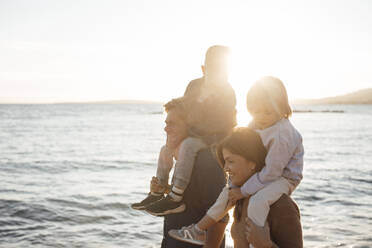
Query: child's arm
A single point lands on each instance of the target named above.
(277, 159)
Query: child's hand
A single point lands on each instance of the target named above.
(235, 194)
(155, 185)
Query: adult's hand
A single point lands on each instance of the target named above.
(235, 194)
(258, 236)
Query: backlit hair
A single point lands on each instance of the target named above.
(269, 91)
(245, 142)
(217, 60)
(178, 106)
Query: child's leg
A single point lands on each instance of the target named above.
(165, 164)
(259, 203)
(186, 157)
(196, 234)
(184, 165)
(217, 211)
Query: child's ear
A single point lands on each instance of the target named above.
(203, 69)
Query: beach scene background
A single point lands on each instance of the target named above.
(69, 173)
(82, 84)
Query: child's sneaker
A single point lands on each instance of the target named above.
(189, 234)
(165, 206)
(151, 198)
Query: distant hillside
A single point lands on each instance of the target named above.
(363, 96)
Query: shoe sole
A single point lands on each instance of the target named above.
(139, 207)
(191, 241)
(171, 211)
(143, 207)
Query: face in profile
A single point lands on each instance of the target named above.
(237, 167)
(175, 128)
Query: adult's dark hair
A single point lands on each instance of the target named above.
(177, 105)
(247, 143)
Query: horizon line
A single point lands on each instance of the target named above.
(139, 101)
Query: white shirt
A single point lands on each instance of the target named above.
(284, 157)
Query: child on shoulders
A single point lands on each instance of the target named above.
(267, 102)
(211, 115)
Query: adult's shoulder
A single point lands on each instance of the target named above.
(206, 162)
(284, 205)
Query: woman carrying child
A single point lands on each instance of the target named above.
(267, 102)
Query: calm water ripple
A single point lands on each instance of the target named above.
(69, 173)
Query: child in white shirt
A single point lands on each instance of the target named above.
(267, 102)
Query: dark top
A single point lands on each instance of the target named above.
(215, 116)
(284, 223)
(206, 183)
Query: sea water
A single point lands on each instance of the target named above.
(69, 172)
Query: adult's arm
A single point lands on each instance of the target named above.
(285, 223)
(284, 226)
(258, 236)
(215, 235)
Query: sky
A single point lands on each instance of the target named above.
(85, 50)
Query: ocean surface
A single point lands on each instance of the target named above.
(68, 174)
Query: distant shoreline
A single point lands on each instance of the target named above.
(361, 97)
(317, 111)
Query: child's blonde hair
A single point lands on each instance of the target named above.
(269, 91)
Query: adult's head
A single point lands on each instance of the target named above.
(241, 154)
(267, 101)
(175, 123)
(216, 64)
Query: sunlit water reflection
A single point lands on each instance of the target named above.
(69, 173)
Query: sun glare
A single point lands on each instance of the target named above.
(243, 117)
